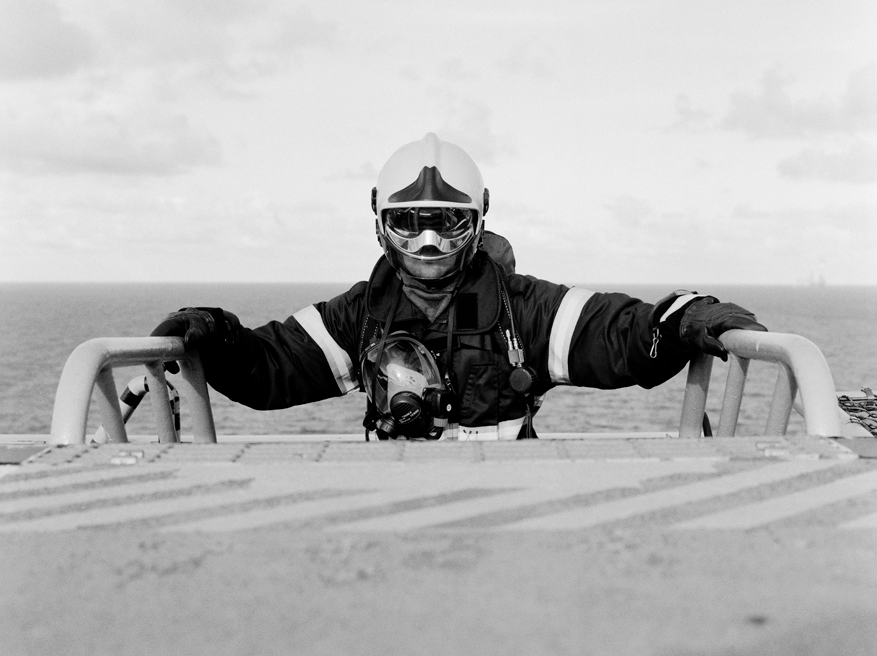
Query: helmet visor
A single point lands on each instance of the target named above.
(430, 231)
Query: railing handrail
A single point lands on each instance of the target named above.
(801, 367)
(90, 365)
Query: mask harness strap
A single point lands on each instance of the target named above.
(449, 349)
(380, 354)
(522, 377)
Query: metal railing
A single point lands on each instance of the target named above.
(90, 366)
(802, 367)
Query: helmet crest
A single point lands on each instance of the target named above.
(429, 186)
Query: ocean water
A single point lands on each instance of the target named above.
(41, 324)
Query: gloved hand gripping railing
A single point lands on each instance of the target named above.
(90, 365)
(802, 367)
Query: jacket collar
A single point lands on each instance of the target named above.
(478, 298)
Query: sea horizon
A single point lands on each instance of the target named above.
(821, 285)
(41, 323)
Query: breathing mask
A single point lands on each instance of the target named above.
(407, 397)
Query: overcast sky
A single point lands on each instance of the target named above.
(683, 142)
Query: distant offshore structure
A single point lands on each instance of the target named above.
(817, 278)
(814, 280)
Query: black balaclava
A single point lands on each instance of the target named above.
(431, 299)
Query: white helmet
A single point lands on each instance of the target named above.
(430, 204)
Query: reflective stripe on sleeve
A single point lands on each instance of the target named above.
(342, 368)
(562, 331)
(680, 302)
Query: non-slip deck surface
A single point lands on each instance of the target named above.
(618, 546)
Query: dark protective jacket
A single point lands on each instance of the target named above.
(570, 336)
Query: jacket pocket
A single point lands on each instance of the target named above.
(479, 404)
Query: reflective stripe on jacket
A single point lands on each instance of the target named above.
(570, 336)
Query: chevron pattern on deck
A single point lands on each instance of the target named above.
(550, 485)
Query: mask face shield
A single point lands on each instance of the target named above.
(429, 233)
(405, 388)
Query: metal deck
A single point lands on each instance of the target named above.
(587, 546)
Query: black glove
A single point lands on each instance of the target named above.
(705, 319)
(199, 328)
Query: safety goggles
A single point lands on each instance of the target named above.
(446, 229)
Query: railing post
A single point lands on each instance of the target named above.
(164, 420)
(70, 414)
(108, 404)
(737, 369)
(808, 367)
(696, 388)
(83, 370)
(194, 386)
(784, 394)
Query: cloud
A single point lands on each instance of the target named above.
(260, 223)
(694, 233)
(410, 74)
(856, 164)
(37, 42)
(301, 29)
(134, 61)
(746, 211)
(227, 43)
(458, 70)
(528, 60)
(365, 171)
(218, 11)
(78, 138)
(468, 125)
(629, 211)
(170, 217)
(689, 118)
(850, 218)
(228, 48)
(773, 113)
